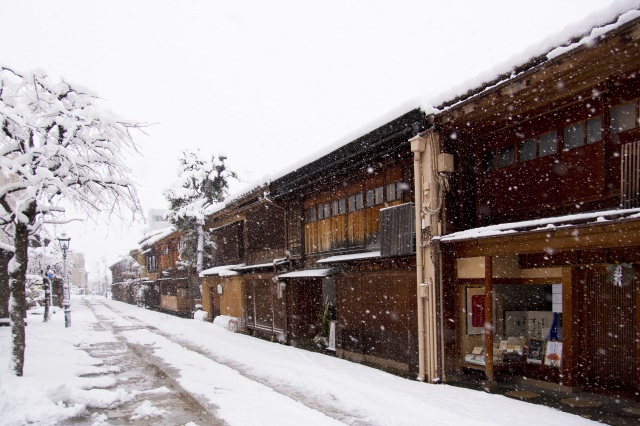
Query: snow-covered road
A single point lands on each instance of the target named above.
(120, 364)
(223, 389)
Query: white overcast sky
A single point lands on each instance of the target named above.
(265, 82)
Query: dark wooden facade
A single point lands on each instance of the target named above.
(169, 283)
(248, 233)
(551, 143)
(376, 313)
(334, 209)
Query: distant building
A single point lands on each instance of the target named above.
(157, 220)
(76, 269)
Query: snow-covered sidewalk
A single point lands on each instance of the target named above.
(239, 379)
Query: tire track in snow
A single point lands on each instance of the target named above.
(183, 406)
(290, 392)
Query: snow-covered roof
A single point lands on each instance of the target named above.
(585, 31)
(171, 279)
(249, 189)
(580, 33)
(397, 112)
(347, 257)
(308, 273)
(545, 224)
(225, 270)
(154, 237)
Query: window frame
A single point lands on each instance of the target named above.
(616, 129)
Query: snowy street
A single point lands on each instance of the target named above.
(120, 364)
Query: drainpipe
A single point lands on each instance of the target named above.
(418, 145)
(426, 148)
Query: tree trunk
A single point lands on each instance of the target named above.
(194, 288)
(5, 291)
(47, 297)
(18, 277)
(5, 288)
(200, 249)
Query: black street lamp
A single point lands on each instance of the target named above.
(64, 241)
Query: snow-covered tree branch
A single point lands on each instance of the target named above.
(202, 183)
(57, 142)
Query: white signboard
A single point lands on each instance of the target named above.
(332, 336)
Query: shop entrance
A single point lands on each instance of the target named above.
(214, 297)
(610, 318)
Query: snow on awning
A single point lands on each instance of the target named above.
(546, 224)
(222, 271)
(263, 265)
(347, 257)
(309, 273)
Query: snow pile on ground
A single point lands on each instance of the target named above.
(200, 315)
(147, 411)
(226, 322)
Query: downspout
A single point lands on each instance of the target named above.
(418, 145)
(429, 200)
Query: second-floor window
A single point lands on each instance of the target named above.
(624, 117)
(152, 263)
(351, 221)
(356, 202)
(582, 133)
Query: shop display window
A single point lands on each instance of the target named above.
(527, 325)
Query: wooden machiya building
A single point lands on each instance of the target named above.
(537, 245)
(169, 285)
(126, 278)
(249, 251)
(350, 247)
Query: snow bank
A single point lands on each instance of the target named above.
(228, 323)
(200, 315)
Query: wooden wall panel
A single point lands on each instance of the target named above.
(372, 225)
(339, 232)
(229, 244)
(265, 229)
(304, 306)
(265, 311)
(311, 242)
(356, 228)
(375, 312)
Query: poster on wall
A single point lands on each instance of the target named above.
(475, 310)
(535, 351)
(553, 354)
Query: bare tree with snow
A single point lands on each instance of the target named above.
(59, 145)
(202, 183)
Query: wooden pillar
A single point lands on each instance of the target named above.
(569, 337)
(488, 317)
(637, 336)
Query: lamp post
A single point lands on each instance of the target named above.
(64, 240)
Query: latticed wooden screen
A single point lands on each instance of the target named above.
(630, 170)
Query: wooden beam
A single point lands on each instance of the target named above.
(620, 234)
